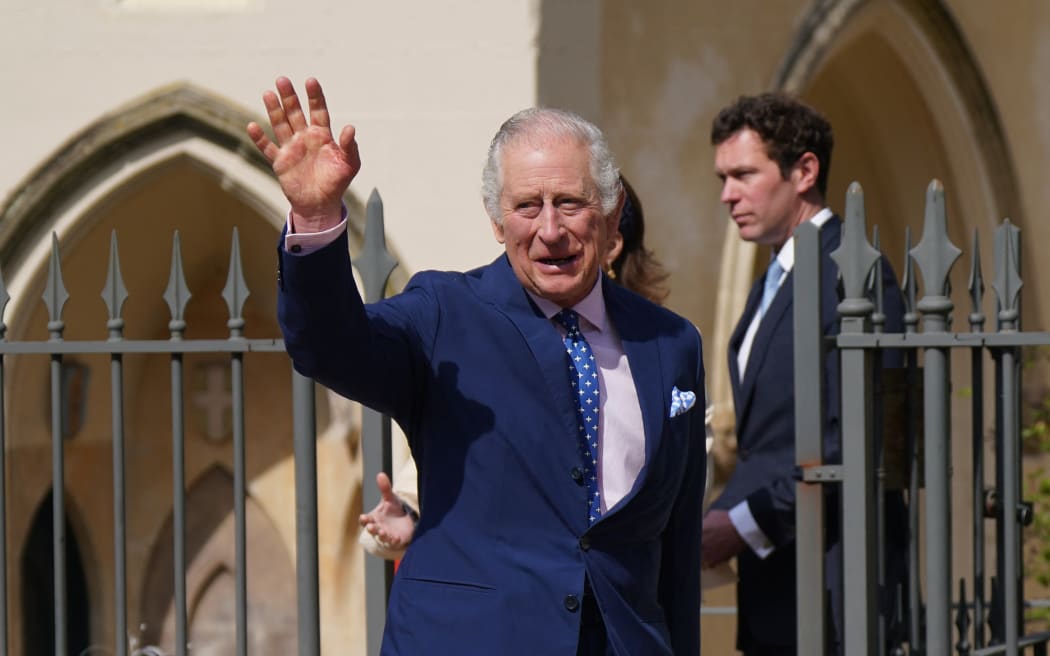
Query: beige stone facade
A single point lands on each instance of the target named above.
(128, 115)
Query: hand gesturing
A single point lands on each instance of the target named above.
(312, 167)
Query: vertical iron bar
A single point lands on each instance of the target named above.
(809, 442)
(935, 255)
(3, 509)
(177, 296)
(4, 298)
(240, 534)
(379, 572)
(938, 499)
(916, 641)
(977, 438)
(1010, 501)
(375, 265)
(878, 321)
(178, 459)
(235, 292)
(55, 297)
(58, 505)
(116, 368)
(1007, 288)
(855, 258)
(977, 409)
(305, 445)
(114, 294)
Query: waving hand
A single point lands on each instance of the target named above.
(312, 167)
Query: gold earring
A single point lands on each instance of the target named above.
(612, 274)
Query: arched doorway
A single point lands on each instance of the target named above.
(38, 587)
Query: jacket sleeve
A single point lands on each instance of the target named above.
(375, 354)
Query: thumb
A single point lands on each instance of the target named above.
(386, 489)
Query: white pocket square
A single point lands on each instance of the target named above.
(681, 401)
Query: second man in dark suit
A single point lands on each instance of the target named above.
(773, 154)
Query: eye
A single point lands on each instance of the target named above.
(571, 205)
(529, 209)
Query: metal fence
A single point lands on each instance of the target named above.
(941, 617)
(989, 623)
(374, 264)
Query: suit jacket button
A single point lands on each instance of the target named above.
(577, 475)
(572, 603)
(744, 454)
(585, 543)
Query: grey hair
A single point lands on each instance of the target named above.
(537, 123)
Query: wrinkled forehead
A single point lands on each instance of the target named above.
(530, 155)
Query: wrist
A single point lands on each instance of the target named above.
(319, 220)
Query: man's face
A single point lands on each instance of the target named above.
(765, 207)
(553, 229)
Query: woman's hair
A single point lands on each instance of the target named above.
(636, 268)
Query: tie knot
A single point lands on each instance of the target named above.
(569, 319)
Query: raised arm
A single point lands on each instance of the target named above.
(313, 168)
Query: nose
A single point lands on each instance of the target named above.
(729, 192)
(550, 226)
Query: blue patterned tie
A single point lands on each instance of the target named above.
(773, 274)
(583, 372)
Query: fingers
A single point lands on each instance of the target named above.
(290, 101)
(262, 142)
(318, 106)
(278, 120)
(348, 143)
(286, 114)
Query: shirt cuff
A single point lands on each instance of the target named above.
(744, 523)
(304, 243)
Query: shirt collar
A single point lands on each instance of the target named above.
(786, 255)
(591, 308)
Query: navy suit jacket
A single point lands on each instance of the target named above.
(765, 425)
(478, 379)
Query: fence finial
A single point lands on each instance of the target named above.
(1008, 282)
(934, 255)
(855, 257)
(374, 262)
(976, 286)
(114, 293)
(236, 290)
(55, 294)
(177, 294)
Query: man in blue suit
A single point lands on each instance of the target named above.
(541, 534)
(772, 154)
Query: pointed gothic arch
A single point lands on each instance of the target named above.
(36, 598)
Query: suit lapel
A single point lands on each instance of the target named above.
(540, 449)
(735, 342)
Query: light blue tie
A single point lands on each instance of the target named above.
(583, 372)
(773, 274)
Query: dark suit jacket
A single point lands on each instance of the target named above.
(765, 425)
(478, 379)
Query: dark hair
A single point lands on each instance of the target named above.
(635, 267)
(788, 127)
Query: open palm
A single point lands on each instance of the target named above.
(312, 168)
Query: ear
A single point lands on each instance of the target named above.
(497, 230)
(806, 170)
(615, 248)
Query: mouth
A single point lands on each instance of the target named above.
(557, 261)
